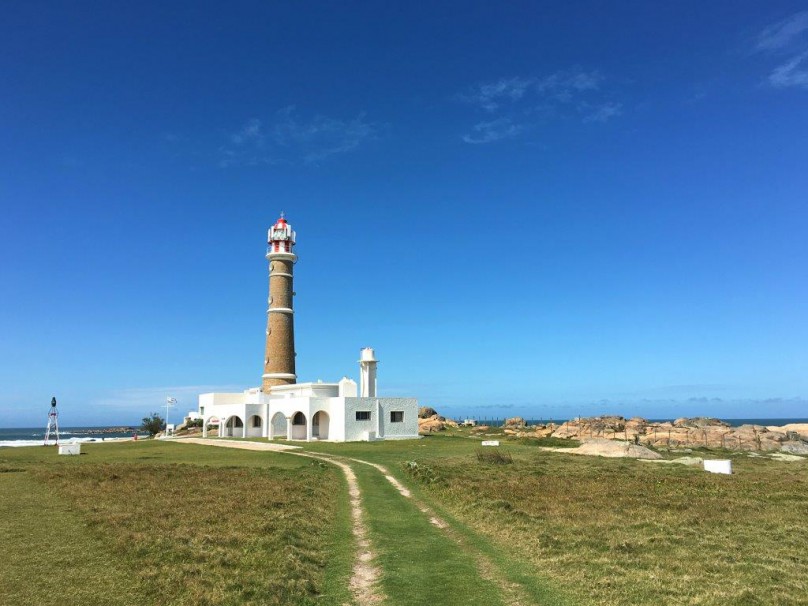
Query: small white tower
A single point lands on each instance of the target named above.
(367, 372)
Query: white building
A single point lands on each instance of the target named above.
(283, 408)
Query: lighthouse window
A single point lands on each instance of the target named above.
(396, 416)
(363, 415)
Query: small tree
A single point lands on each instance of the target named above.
(153, 424)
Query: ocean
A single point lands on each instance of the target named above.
(35, 436)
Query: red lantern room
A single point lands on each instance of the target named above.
(281, 237)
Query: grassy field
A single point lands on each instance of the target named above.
(157, 523)
(162, 523)
(619, 531)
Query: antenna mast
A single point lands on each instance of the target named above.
(53, 424)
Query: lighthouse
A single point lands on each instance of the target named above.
(279, 358)
(282, 407)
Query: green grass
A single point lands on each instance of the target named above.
(613, 531)
(156, 522)
(618, 531)
(420, 564)
(161, 523)
(48, 551)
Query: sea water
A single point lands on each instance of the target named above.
(35, 436)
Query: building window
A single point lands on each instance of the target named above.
(256, 421)
(363, 415)
(202, 411)
(299, 419)
(396, 416)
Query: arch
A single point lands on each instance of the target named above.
(319, 425)
(254, 426)
(212, 421)
(298, 426)
(277, 428)
(233, 427)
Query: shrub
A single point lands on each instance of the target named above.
(422, 473)
(496, 457)
(153, 424)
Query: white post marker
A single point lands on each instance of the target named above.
(490, 442)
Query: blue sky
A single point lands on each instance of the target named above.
(546, 209)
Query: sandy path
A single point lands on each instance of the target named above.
(365, 576)
(235, 444)
(365, 573)
(512, 593)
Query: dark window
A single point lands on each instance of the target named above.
(256, 421)
(299, 419)
(363, 415)
(396, 416)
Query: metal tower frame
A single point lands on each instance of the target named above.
(53, 423)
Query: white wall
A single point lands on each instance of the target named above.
(379, 422)
(342, 423)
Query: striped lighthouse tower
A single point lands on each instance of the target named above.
(279, 361)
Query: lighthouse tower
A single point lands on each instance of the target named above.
(279, 361)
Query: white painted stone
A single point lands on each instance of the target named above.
(70, 449)
(490, 442)
(718, 466)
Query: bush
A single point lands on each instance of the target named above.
(494, 456)
(153, 424)
(422, 473)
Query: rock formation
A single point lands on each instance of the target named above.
(684, 433)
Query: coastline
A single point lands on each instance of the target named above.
(32, 436)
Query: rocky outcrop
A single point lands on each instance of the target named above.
(795, 448)
(602, 447)
(514, 423)
(682, 433)
(433, 423)
(426, 411)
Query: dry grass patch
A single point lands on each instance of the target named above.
(204, 535)
(624, 532)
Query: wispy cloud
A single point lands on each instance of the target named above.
(603, 112)
(788, 37)
(495, 130)
(792, 73)
(490, 96)
(515, 105)
(564, 86)
(783, 34)
(287, 138)
(147, 399)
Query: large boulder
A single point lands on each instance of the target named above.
(426, 411)
(514, 423)
(795, 448)
(699, 422)
(613, 448)
(433, 424)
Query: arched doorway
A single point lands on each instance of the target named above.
(319, 425)
(277, 428)
(255, 424)
(298, 426)
(212, 422)
(233, 427)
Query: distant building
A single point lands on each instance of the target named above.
(283, 408)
